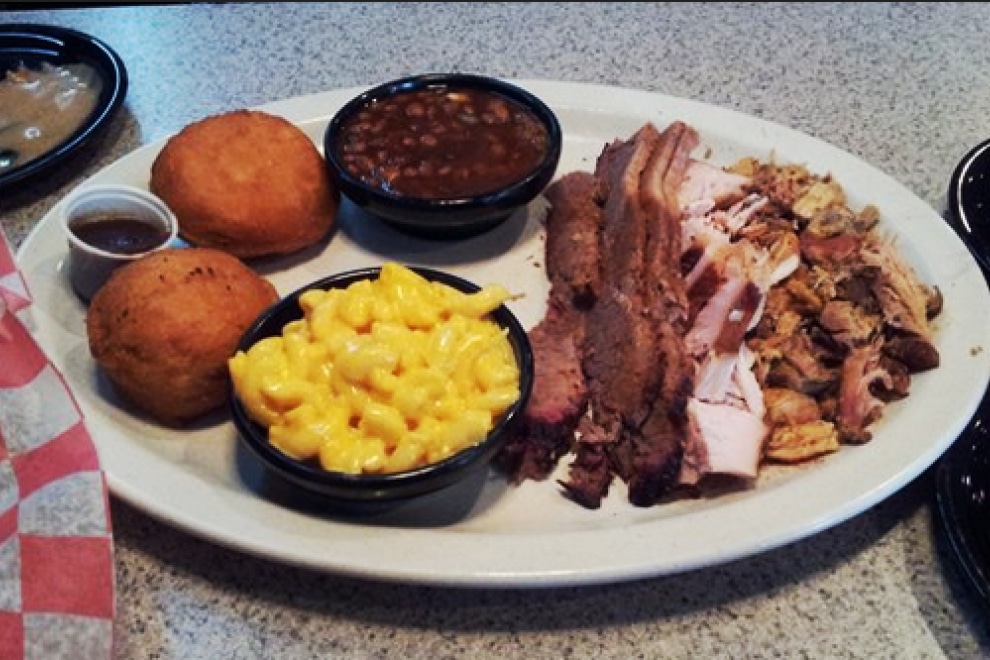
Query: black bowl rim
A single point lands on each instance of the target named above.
(513, 195)
(395, 485)
(975, 237)
(34, 42)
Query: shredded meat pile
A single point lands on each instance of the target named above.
(705, 321)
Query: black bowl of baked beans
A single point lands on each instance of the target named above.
(443, 155)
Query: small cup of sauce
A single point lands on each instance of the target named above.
(109, 225)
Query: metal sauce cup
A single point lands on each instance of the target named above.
(108, 226)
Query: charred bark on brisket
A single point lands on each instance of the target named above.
(572, 229)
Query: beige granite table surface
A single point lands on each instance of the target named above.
(902, 86)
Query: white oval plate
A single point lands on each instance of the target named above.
(488, 533)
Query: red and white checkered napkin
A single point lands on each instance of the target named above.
(56, 543)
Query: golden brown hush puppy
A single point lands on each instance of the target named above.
(163, 327)
(246, 182)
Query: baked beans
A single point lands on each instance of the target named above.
(442, 143)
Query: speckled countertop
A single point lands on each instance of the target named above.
(901, 86)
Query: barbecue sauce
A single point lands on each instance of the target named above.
(118, 234)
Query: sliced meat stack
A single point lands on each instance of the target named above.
(613, 376)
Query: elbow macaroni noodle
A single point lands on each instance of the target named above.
(383, 376)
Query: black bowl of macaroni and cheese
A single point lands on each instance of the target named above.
(381, 384)
(443, 155)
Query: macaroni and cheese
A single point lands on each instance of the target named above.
(384, 375)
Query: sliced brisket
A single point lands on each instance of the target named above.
(640, 374)
(560, 397)
(573, 225)
(558, 400)
(613, 376)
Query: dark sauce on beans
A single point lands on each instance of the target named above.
(442, 143)
(118, 234)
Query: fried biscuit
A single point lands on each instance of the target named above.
(163, 327)
(246, 182)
